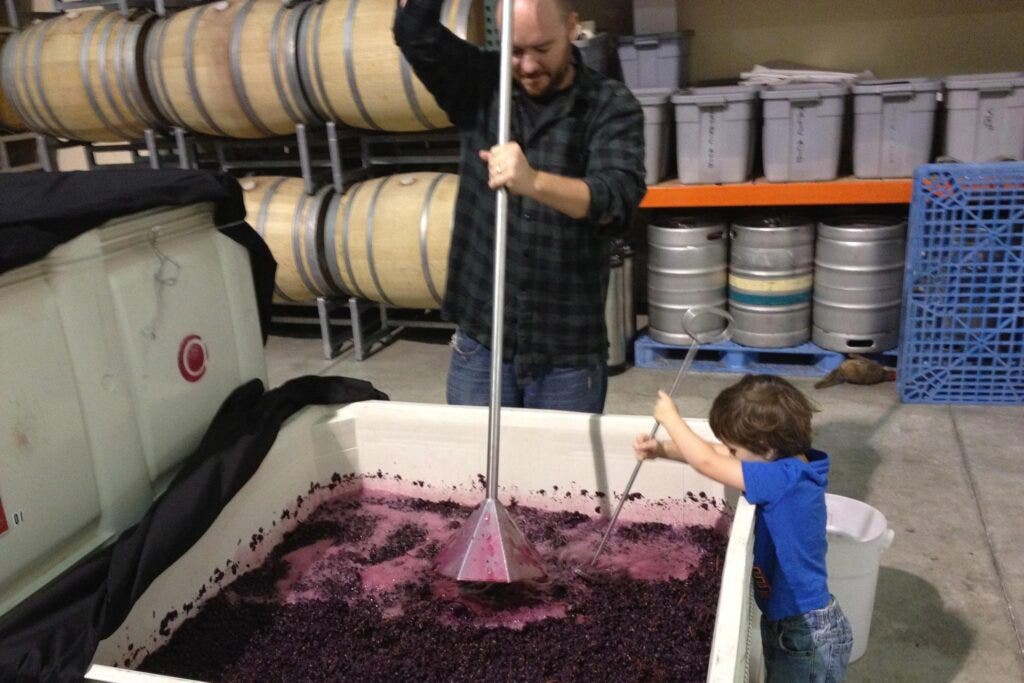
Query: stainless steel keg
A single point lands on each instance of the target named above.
(614, 318)
(686, 267)
(628, 303)
(858, 283)
(771, 271)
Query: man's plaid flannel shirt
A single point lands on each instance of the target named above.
(557, 267)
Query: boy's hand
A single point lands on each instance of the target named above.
(646, 448)
(665, 410)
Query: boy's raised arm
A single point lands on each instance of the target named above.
(698, 453)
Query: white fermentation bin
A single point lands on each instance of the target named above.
(444, 446)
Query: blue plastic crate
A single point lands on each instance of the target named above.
(962, 331)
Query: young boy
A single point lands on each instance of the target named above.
(764, 424)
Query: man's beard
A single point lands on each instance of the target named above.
(556, 81)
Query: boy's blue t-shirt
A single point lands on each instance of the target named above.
(789, 533)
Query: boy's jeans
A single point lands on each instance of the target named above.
(811, 647)
(469, 382)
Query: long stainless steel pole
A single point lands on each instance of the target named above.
(687, 362)
(500, 231)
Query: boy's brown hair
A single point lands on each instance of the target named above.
(764, 414)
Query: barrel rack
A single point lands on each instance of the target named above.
(12, 16)
(123, 6)
(330, 154)
(25, 152)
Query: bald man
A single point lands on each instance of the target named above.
(575, 175)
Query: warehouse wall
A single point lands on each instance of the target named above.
(908, 37)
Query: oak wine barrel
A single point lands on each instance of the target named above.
(353, 72)
(229, 69)
(390, 238)
(292, 224)
(78, 76)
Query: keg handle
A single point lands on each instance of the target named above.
(722, 335)
(699, 338)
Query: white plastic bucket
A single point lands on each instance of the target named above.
(857, 536)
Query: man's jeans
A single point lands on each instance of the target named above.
(561, 388)
(812, 647)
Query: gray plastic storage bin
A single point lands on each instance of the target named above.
(657, 123)
(658, 60)
(893, 125)
(803, 125)
(715, 134)
(985, 117)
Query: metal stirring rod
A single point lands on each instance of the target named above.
(687, 361)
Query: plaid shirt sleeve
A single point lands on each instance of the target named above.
(615, 170)
(458, 74)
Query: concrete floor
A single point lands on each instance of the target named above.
(950, 479)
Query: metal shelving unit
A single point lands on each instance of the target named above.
(849, 190)
(25, 152)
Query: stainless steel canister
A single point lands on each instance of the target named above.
(628, 303)
(614, 318)
(686, 267)
(858, 283)
(771, 271)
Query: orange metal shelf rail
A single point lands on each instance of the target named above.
(760, 192)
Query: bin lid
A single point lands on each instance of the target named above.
(655, 38)
(39, 211)
(894, 85)
(652, 96)
(599, 37)
(716, 93)
(800, 91)
(127, 232)
(1006, 79)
